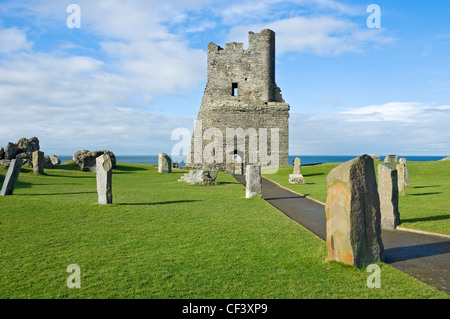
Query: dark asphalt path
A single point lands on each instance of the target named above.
(425, 257)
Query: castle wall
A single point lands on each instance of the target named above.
(241, 93)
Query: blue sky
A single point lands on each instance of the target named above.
(136, 70)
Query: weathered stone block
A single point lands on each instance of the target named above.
(253, 181)
(54, 160)
(104, 179)
(375, 158)
(86, 160)
(38, 162)
(391, 159)
(353, 213)
(11, 177)
(296, 179)
(10, 151)
(164, 163)
(388, 192)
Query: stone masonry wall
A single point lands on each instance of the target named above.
(241, 93)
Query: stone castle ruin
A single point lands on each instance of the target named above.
(243, 117)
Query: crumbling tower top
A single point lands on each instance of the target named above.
(244, 75)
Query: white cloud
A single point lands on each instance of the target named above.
(407, 128)
(321, 35)
(13, 40)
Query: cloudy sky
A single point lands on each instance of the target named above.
(135, 71)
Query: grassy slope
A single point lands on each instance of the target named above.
(163, 239)
(424, 207)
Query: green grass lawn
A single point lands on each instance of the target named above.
(426, 205)
(164, 239)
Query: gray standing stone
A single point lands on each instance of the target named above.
(11, 177)
(353, 213)
(10, 151)
(375, 158)
(2, 153)
(391, 159)
(164, 163)
(253, 181)
(388, 191)
(297, 164)
(404, 161)
(401, 178)
(104, 179)
(38, 162)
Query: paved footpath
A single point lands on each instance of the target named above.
(423, 256)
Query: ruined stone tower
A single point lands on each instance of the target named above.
(242, 114)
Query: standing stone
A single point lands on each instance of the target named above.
(388, 191)
(253, 181)
(104, 179)
(2, 153)
(375, 158)
(10, 151)
(164, 163)
(353, 213)
(296, 178)
(391, 159)
(404, 161)
(401, 178)
(297, 164)
(11, 177)
(38, 162)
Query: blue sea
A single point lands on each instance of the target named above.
(306, 159)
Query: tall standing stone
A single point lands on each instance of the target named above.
(296, 177)
(253, 181)
(104, 179)
(164, 163)
(388, 191)
(297, 164)
(11, 177)
(404, 161)
(38, 162)
(401, 178)
(353, 213)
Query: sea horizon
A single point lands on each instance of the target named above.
(305, 159)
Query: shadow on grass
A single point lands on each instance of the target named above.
(20, 184)
(54, 194)
(425, 194)
(158, 203)
(416, 251)
(315, 174)
(425, 219)
(427, 186)
(126, 168)
(69, 176)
